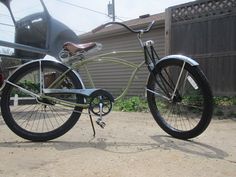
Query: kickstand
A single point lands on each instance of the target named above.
(91, 120)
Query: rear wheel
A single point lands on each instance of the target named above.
(34, 118)
(180, 98)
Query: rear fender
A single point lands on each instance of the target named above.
(42, 60)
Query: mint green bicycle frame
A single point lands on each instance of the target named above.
(108, 57)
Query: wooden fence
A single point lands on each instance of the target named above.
(206, 31)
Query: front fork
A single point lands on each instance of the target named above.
(166, 83)
(151, 59)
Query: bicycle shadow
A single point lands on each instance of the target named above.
(159, 142)
(190, 147)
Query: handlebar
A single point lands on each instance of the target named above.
(125, 26)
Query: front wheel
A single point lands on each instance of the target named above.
(180, 98)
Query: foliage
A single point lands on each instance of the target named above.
(225, 101)
(133, 104)
(28, 85)
(225, 107)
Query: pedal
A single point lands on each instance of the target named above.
(101, 123)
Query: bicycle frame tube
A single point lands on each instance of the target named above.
(114, 57)
(111, 57)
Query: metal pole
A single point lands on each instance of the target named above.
(113, 6)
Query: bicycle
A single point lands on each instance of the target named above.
(178, 93)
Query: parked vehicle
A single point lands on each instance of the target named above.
(1, 74)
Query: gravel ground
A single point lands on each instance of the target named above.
(131, 145)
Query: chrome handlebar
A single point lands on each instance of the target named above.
(140, 31)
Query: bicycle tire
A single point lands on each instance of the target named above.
(36, 121)
(192, 104)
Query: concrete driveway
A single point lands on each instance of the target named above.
(131, 145)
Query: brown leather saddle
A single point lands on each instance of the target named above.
(73, 48)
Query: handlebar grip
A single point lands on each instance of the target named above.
(98, 28)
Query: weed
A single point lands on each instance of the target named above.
(133, 104)
(224, 101)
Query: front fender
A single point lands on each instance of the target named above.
(188, 60)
